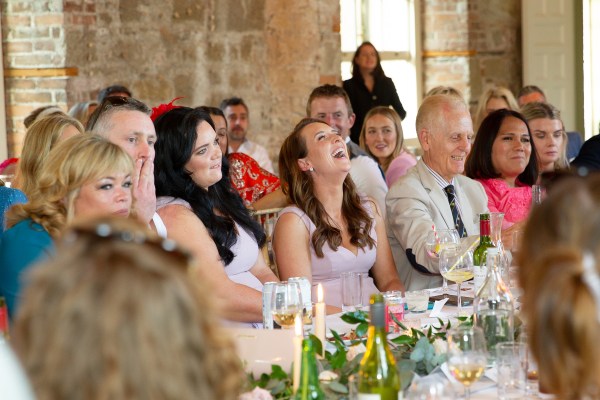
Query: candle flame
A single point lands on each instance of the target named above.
(320, 293)
(298, 325)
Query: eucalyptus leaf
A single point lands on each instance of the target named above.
(361, 329)
(337, 387)
(403, 339)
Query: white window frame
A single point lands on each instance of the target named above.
(410, 99)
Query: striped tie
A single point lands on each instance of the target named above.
(458, 224)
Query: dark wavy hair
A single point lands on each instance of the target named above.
(377, 72)
(299, 188)
(479, 163)
(176, 131)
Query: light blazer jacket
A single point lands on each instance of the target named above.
(415, 203)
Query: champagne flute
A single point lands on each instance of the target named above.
(286, 303)
(467, 355)
(436, 241)
(456, 265)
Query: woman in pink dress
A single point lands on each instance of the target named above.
(382, 138)
(330, 228)
(504, 160)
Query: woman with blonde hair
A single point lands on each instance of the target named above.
(329, 229)
(115, 315)
(84, 176)
(382, 138)
(82, 111)
(492, 99)
(559, 274)
(548, 134)
(40, 138)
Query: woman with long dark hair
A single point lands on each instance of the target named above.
(205, 214)
(330, 228)
(369, 87)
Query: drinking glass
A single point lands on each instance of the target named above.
(511, 367)
(286, 303)
(436, 241)
(431, 387)
(352, 296)
(467, 355)
(456, 265)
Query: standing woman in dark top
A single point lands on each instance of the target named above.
(369, 87)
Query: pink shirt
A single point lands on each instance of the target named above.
(513, 202)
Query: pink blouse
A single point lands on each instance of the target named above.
(513, 202)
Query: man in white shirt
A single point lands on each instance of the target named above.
(434, 193)
(331, 104)
(236, 113)
(126, 122)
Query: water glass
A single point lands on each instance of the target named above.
(511, 367)
(536, 195)
(417, 301)
(394, 304)
(431, 387)
(352, 298)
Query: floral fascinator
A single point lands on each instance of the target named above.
(163, 108)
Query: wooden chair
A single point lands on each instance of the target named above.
(267, 219)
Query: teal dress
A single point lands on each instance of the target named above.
(8, 198)
(21, 247)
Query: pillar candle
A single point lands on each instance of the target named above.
(320, 316)
(297, 352)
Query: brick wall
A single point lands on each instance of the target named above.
(270, 52)
(33, 37)
(488, 29)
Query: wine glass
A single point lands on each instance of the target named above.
(467, 355)
(286, 303)
(456, 265)
(436, 241)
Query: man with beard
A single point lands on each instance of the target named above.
(236, 113)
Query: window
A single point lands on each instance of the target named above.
(390, 26)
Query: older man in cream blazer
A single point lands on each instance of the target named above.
(434, 193)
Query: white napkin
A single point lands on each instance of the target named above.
(436, 312)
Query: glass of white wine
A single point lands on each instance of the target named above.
(456, 265)
(436, 241)
(286, 303)
(467, 355)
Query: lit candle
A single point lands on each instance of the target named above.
(297, 351)
(320, 316)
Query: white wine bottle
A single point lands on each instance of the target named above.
(378, 378)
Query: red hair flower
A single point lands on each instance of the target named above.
(163, 108)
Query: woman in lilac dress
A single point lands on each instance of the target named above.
(504, 160)
(330, 228)
(205, 214)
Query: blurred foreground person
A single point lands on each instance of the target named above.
(116, 316)
(559, 275)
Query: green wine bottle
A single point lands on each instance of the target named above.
(378, 378)
(309, 388)
(479, 255)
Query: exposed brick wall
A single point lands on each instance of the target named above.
(270, 52)
(489, 28)
(33, 37)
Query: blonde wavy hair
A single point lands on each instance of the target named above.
(393, 116)
(41, 137)
(536, 110)
(70, 165)
(496, 92)
(121, 314)
(560, 308)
